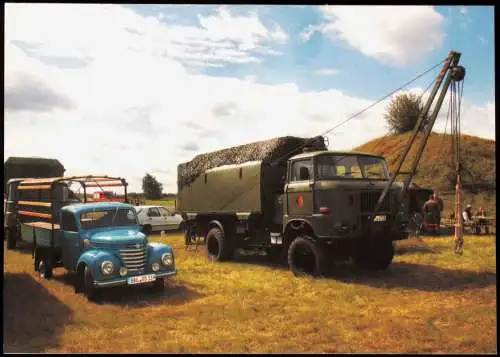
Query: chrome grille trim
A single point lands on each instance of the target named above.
(132, 257)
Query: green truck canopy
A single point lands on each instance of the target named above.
(21, 167)
(277, 149)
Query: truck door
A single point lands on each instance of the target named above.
(71, 244)
(299, 189)
(156, 220)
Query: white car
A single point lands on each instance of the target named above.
(158, 218)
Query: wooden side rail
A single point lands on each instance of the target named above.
(34, 187)
(36, 214)
(31, 203)
(44, 225)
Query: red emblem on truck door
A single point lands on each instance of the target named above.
(300, 201)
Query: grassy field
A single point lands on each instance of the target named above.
(165, 202)
(429, 301)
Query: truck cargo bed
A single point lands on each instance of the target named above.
(41, 232)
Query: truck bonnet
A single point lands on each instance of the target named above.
(118, 236)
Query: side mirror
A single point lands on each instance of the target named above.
(304, 173)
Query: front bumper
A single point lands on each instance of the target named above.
(123, 281)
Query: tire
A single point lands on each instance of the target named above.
(11, 238)
(306, 257)
(89, 290)
(217, 246)
(147, 229)
(45, 269)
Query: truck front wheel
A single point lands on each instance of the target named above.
(306, 257)
(89, 290)
(217, 246)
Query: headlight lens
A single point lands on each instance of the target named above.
(167, 259)
(155, 266)
(107, 267)
(123, 271)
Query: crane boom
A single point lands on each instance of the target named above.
(453, 72)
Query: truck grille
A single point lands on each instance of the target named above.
(369, 200)
(133, 256)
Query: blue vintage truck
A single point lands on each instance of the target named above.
(100, 242)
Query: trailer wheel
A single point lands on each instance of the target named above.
(217, 246)
(306, 257)
(45, 269)
(11, 238)
(89, 290)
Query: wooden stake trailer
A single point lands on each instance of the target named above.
(39, 219)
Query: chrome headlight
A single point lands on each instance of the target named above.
(155, 266)
(167, 259)
(107, 267)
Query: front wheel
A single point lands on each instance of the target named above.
(89, 290)
(306, 257)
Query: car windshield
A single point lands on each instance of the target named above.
(351, 166)
(108, 218)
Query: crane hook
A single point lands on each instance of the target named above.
(458, 73)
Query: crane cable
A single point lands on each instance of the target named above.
(342, 123)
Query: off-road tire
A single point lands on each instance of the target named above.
(89, 290)
(217, 246)
(306, 257)
(45, 269)
(11, 238)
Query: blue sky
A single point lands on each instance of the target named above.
(151, 86)
(468, 30)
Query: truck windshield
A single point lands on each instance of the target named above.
(108, 218)
(350, 166)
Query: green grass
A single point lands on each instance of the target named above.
(161, 202)
(429, 301)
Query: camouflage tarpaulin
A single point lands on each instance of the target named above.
(267, 150)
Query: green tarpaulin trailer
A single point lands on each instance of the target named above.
(31, 167)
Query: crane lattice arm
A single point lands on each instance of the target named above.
(453, 72)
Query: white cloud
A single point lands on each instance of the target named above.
(135, 111)
(327, 72)
(395, 35)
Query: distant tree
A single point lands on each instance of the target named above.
(151, 187)
(403, 112)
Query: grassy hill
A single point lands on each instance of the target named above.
(436, 170)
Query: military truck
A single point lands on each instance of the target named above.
(15, 170)
(293, 198)
(315, 206)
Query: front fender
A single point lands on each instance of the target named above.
(94, 258)
(156, 250)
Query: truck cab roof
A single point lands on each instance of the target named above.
(312, 154)
(86, 207)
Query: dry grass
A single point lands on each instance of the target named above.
(428, 301)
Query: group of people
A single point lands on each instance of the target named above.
(433, 209)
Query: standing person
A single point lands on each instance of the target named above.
(440, 204)
(431, 213)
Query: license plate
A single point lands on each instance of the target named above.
(141, 279)
(380, 219)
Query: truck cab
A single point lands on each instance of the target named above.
(336, 192)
